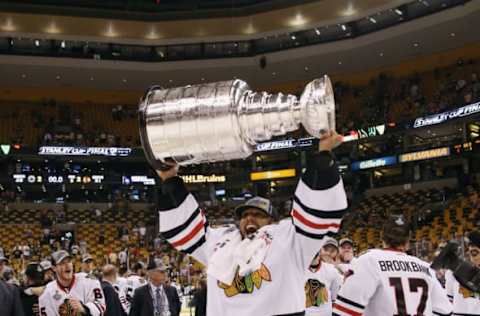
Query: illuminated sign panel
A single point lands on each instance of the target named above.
(425, 154)
(371, 131)
(203, 179)
(84, 151)
(274, 174)
(71, 178)
(138, 179)
(448, 115)
(374, 163)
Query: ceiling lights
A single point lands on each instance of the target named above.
(8, 26)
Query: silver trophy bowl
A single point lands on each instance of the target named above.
(223, 121)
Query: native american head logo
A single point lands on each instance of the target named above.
(65, 309)
(246, 284)
(316, 293)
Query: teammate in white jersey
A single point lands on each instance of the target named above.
(346, 255)
(258, 269)
(134, 281)
(464, 301)
(69, 295)
(385, 282)
(88, 266)
(321, 288)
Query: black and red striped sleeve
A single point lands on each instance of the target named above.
(319, 204)
(182, 222)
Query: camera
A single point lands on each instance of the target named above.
(465, 272)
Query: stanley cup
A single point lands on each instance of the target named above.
(222, 121)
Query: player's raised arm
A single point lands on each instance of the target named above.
(320, 200)
(182, 222)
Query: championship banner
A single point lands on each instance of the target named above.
(84, 151)
(448, 115)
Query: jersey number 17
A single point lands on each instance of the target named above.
(414, 285)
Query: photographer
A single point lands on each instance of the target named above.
(465, 301)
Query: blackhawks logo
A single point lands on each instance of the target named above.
(65, 309)
(316, 293)
(246, 284)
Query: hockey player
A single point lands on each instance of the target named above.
(321, 288)
(88, 266)
(258, 268)
(346, 255)
(464, 301)
(71, 295)
(329, 251)
(389, 282)
(134, 281)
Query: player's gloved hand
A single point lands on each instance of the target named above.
(170, 173)
(77, 307)
(329, 141)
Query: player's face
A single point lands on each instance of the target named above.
(474, 255)
(346, 252)
(329, 253)
(88, 266)
(252, 220)
(49, 275)
(64, 270)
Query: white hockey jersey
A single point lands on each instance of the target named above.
(132, 283)
(120, 288)
(387, 282)
(464, 301)
(277, 286)
(54, 300)
(321, 289)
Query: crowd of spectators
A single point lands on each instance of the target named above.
(386, 98)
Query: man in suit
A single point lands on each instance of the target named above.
(155, 298)
(112, 300)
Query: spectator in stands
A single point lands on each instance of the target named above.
(3, 265)
(83, 246)
(157, 242)
(142, 230)
(123, 256)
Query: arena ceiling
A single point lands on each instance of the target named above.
(446, 30)
(39, 21)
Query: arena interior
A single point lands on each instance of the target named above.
(75, 176)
